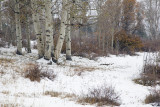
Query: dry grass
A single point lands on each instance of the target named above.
(79, 69)
(82, 69)
(53, 94)
(5, 92)
(2, 72)
(153, 97)
(150, 75)
(9, 105)
(101, 96)
(35, 73)
(60, 95)
(145, 80)
(6, 60)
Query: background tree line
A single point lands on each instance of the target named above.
(95, 27)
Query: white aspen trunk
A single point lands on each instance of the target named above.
(62, 31)
(42, 26)
(49, 29)
(0, 18)
(68, 38)
(28, 35)
(37, 28)
(18, 28)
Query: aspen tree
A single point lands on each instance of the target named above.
(48, 29)
(37, 28)
(68, 37)
(0, 17)
(18, 28)
(62, 31)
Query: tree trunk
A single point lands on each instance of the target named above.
(103, 43)
(99, 37)
(68, 38)
(62, 32)
(18, 28)
(112, 42)
(0, 18)
(49, 29)
(37, 28)
(28, 35)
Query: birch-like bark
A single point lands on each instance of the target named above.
(18, 28)
(0, 17)
(62, 31)
(42, 25)
(68, 37)
(49, 29)
(37, 28)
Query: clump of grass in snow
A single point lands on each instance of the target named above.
(9, 105)
(60, 94)
(154, 97)
(101, 96)
(6, 60)
(150, 75)
(35, 73)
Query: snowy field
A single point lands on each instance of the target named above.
(72, 78)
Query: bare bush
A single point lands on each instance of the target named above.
(151, 45)
(101, 96)
(35, 73)
(145, 80)
(151, 71)
(154, 97)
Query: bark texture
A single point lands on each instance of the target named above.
(49, 29)
(37, 28)
(0, 17)
(68, 37)
(18, 28)
(62, 31)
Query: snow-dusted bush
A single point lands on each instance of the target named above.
(151, 71)
(103, 95)
(35, 73)
(153, 98)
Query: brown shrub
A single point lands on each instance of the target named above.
(145, 80)
(127, 43)
(150, 75)
(101, 96)
(153, 97)
(151, 71)
(35, 73)
(151, 45)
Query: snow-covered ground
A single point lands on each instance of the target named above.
(72, 77)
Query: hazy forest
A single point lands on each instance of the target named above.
(79, 53)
